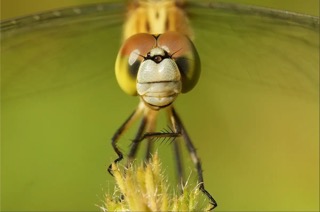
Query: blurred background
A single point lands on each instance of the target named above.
(14, 8)
(254, 117)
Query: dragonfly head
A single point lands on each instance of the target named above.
(157, 67)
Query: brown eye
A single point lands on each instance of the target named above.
(129, 58)
(185, 55)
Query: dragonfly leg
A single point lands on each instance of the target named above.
(151, 127)
(118, 134)
(136, 141)
(153, 135)
(194, 157)
(171, 133)
(178, 160)
(148, 124)
(149, 149)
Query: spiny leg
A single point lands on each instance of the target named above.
(166, 134)
(160, 135)
(136, 141)
(152, 136)
(119, 132)
(194, 157)
(148, 124)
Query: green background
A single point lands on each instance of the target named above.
(14, 8)
(254, 116)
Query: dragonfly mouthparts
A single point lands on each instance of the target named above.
(159, 94)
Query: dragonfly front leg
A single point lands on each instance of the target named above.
(119, 132)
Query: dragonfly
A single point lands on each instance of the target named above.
(158, 62)
(253, 112)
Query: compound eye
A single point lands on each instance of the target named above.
(129, 58)
(182, 50)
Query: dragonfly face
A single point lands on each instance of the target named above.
(158, 79)
(157, 67)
